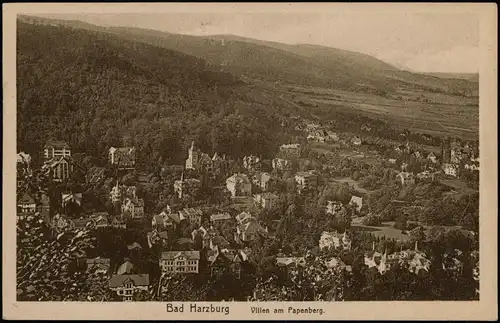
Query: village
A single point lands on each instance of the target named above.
(214, 216)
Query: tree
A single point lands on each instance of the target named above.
(46, 264)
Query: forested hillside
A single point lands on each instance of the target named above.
(302, 64)
(95, 90)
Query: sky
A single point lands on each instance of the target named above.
(421, 42)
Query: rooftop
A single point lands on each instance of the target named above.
(137, 280)
(190, 255)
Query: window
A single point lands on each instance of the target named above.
(127, 298)
(169, 268)
(181, 269)
(128, 292)
(180, 263)
(128, 285)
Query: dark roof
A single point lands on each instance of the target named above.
(125, 268)
(26, 199)
(137, 280)
(56, 144)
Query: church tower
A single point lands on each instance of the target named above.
(193, 157)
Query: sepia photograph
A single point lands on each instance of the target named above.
(201, 158)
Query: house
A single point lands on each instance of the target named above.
(181, 262)
(281, 164)
(157, 237)
(266, 200)
(133, 208)
(197, 160)
(450, 169)
(220, 217)
(329, 240)
(287, 261)
(210, 237)
(415, 260)
(290, 150)
(220, 164)
(59, 223)
(58, 168)
(318, 136)
(249, 231)
(252, 163)
(68, 198)
(26, 204)
(165, 220)
(333, 136)
(191, 186)
(333, 207)
(472, 166)
(306, 180)
(356, 141)
(357, 201)
(262, 180)
(222, 261)
(128, 284)
(119, 193)
(243, 217)
(193, 215)
(95, 175)
(406, 178)
(239, 185)
(285, 264)
(55, 150)
(100, 219)
(432, 157)
(456, 156)
(23, 164)
(122, 158)
(23, 159)
(98, 265)
(417, 154)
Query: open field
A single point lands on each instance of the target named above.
(426, 112)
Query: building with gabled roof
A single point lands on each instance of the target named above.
(58, 168)
(55, 149)
(181, 262)
(26, 203)
(357, 201)
(128, 284)
(122, 158)
(220, 217)
(266, 200)
(222, 260)
(193, 215)
(239, 185)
